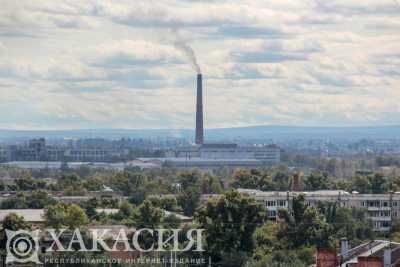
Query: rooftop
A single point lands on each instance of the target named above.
(30, 215)
(284, 193)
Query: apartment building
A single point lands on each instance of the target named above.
(382, 209)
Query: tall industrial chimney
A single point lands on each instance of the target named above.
(199, 111)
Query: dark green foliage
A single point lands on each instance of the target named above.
(189, 200)
(262, 180)
(189, 196)
(13, 222)
(230, 221)
(316, 181)
(37, 199)
(171, 222)
(306, 227)
(211, 184)
(65, 215)
(148, 216)
(27, 183)
(93, 184)
(164, 202)
(350, 223)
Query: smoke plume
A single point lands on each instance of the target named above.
(185, 48)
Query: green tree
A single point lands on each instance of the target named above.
(133, 184)
(90, 207)
(25, 183)
(245, 178)
(281, 180)
(189, 179)
(171, 221)
(164, 202)
(189, 196)
(125, 213)
(65, 215)
(39, 199)
(189, 200)
(316, 181)
(305, 226)
(148, 216)
(378, 183)
(266, 240)
(93, 184)
(19, 201)
(211, 184)
(14, 222)
(230, 221)
(361, 184)
(350, 223)
(67, 180)
(71, 185)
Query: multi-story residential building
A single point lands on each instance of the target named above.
(381, 209)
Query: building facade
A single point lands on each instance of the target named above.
(39, 150)
(265, 154)
(382, 209)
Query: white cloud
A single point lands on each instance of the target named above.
(72, 64)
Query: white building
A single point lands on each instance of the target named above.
(265, 154)
(382, 209)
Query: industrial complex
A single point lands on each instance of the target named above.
(202, 154)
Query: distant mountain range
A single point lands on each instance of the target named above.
(221, 134)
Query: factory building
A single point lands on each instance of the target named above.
(205, 155)
(265, 154)
(38, 150)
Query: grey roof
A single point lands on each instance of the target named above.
(179, 216)
(374, 248)
(107, 211)
(30, 215)
(111, 231)
(211, 145)
(324, 193)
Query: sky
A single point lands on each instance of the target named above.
(80, 64)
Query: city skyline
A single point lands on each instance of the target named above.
(90, 64)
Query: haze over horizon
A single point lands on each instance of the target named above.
(208, 129)
(122, 65)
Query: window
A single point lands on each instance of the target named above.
(385, 213)
(373, 203)
(270, 203)
(271, 213)
(281, 203)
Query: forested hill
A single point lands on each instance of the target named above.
(254, 132)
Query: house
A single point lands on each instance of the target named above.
(377, 253)
(32, 216)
